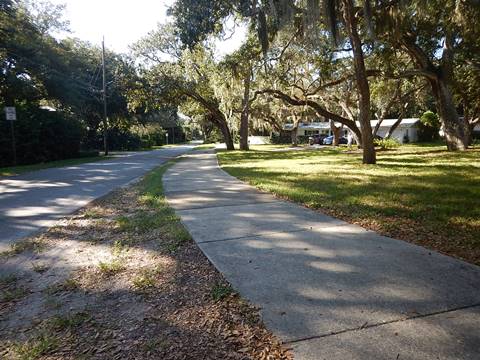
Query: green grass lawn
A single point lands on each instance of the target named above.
(204, 147)
(266, 147)
(16, 170)
(166, 146)
(418, 193)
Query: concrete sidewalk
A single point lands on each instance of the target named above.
(329, 289)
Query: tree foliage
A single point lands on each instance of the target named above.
(39, 70)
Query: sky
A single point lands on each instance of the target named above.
(122, 22)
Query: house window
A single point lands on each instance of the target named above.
(311, 132)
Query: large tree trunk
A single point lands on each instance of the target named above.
(227, 135)
(245, 113)
(336, 133)
(216, 116)
(357, 135)
(440, 77)
(294, 131)
(456, 129)
(369, 156)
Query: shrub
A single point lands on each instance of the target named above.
(215, 136)
(302, 139)
(386, 143)
(428, 129)
(150, 135)
(429, 118)
(283, 138)
(122, 140)
(40, 136)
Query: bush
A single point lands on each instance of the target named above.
(303, 139)
(150, 135)
(283, 138)
(215, 136)
(429, 118)
(386, 143)
(156, 137)
(122, 140)
(428, 129)
(40, 136)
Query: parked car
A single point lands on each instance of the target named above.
(316, 139)
(329, 140)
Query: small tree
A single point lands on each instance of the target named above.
(429, 126)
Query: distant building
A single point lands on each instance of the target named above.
(476, 130)
(406, 131)
(313, 128)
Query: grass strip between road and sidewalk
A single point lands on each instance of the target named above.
(419, 193)
(122, 278)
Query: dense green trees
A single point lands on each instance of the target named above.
(404, 45)
(346, 61)
(176, 76)
(38, 71)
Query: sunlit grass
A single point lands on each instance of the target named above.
(160, 215)
(35, 245)
(112, 267)
(204, 147)
(36, 347)
(267, 147)
(146, 279)
(420, 193)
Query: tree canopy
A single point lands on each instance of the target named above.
(344, 61)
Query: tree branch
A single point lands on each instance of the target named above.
(320, 110)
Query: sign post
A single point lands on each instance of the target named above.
(11, 116)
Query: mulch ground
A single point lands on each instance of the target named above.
(93, 288)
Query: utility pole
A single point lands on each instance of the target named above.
(104, 92)
(14, 147)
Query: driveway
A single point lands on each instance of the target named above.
(329, 289)
(35, 200)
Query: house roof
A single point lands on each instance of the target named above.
(387, 123)
(309, 126)
(325, 125)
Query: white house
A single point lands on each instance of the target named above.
(408, 129)
(313, 128)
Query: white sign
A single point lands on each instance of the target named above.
(10, 113)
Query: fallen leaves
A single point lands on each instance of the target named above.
(162, 298)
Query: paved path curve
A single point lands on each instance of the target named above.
(330, 289)
(35, 200)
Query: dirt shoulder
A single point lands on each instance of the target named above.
(122, 279)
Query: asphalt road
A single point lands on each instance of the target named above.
(33, 201)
